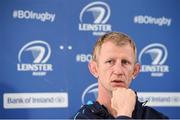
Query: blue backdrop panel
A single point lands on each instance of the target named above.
(46, 45)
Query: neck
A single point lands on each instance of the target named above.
(104, 98)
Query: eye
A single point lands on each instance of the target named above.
(125, 62)
(110, 62)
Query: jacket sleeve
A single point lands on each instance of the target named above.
(123, 117)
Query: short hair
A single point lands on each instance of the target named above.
(118, 39)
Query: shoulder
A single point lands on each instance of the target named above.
(83, 113)
(150, 112)
(146, 112)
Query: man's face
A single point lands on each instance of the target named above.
(115, 66)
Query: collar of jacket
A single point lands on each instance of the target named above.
(100, 110)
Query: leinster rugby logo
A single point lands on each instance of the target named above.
(158, 55)
(90, 93)
(33, 57)
(98, 13)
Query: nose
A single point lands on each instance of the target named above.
(118, 69)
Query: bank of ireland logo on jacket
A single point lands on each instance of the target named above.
(153, 58)
(90, 93)
(93, 18)
(33, 57)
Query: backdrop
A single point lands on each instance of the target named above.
(45, 47)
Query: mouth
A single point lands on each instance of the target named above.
(118, 83)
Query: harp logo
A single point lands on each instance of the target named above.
(33, 57)
(90, 93)
(153, 58)
(94, 16)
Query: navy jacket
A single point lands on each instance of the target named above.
(97, 111)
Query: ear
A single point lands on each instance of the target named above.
(137, 68)
(93, 68)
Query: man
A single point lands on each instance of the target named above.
(114, 64)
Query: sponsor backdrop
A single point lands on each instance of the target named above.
(45, 47)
